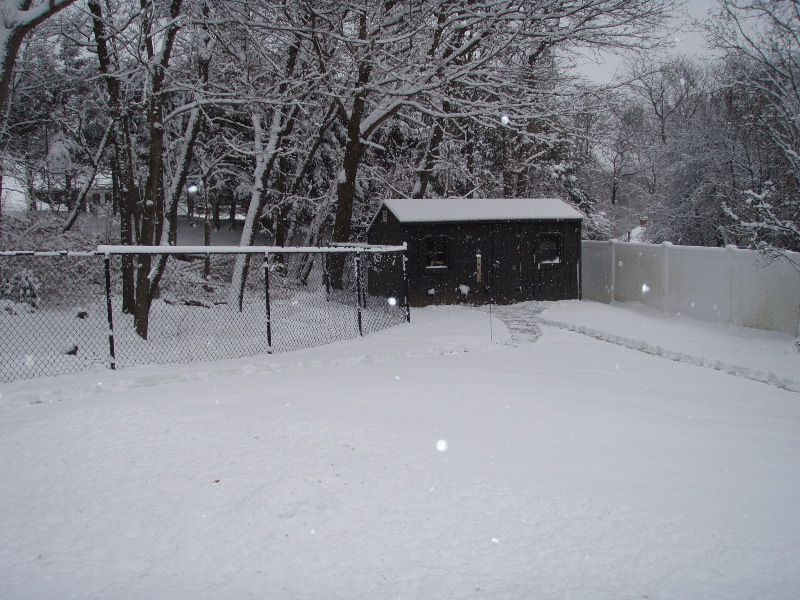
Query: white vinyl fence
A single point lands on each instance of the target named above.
(725, 285)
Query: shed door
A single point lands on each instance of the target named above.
(550, 275)
(483, 274)
(492, 283)
(512, 268)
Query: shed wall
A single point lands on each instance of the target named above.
(502, 261)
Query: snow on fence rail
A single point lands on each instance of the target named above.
(61, 312)
(334, 249)
(727, 285)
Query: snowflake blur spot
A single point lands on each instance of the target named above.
(645, 288)
(505, 120)
(495, 541)
(392, 301)
(441, 445)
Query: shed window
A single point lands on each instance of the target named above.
(437, 252)
(549, 248)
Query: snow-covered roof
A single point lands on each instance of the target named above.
(423, 210)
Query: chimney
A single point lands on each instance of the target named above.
(643, 221)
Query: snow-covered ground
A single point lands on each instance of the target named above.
(424, 461)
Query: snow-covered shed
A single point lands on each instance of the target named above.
(477, 250)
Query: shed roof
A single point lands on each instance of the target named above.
(424, 210)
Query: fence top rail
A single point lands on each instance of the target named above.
(48, 253)
(108, 249)
(792, 257)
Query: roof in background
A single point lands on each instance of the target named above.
(424, 210)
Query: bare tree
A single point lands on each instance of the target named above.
(19, 18)
(761, 40)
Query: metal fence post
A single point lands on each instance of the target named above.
(267, 306)
(326, 277)
(404, 260)
(113, 364)
(359, 291)
(365, 280)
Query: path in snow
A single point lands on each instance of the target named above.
(603, 323)
(784, 383)
(522, 321)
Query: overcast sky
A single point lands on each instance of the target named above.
(685, 41)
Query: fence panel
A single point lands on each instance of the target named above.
(385, 291)
(728, 285)
(53, 317)
(191, 319)
(765, 293)
(700, 282)
(637, 274)
(597, 281)
(316, 298)
(306, 309)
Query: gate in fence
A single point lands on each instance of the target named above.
(62, 312)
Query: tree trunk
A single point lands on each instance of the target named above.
(1, 205)
(181, 175)
(429, 161)
(232, 213)
(313, 239)
(265, 159)
(153, 210)
(469, 150)
(504, 168)
(81, 200)
(20, 22)
(239, 276)
(345, 194)
(123, 156)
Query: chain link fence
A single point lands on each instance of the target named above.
(63, 312)
(53, 317)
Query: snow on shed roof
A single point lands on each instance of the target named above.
(422, 210)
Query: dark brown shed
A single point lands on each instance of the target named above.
(477, 250)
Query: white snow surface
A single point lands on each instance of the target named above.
(415, 210)
(425, 461)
